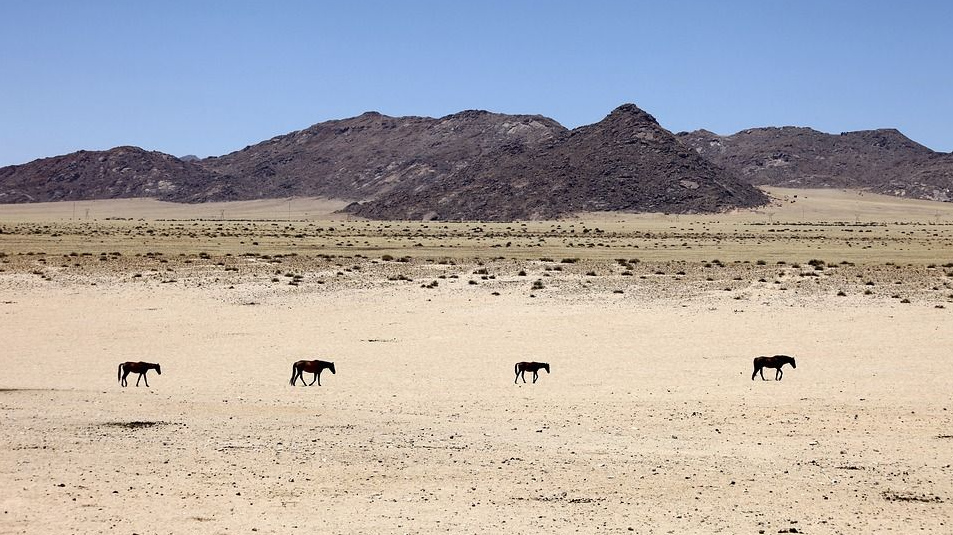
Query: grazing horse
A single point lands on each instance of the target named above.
(310, 366)
(523, 367)
(760, 363)
(136, 367)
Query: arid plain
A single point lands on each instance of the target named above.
(649, 422)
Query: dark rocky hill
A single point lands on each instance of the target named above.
(368, 156)
(881, 161)
(626, 162)
(122, 172)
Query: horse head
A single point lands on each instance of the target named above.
(158, 369)
(793, 365)
(331, 367)
(546, 366)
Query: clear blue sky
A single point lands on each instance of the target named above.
(207, 78)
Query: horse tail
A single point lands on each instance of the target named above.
(294, 372)
(119, 374)
(516, 368)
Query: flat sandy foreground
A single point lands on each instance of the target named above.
(648, 423)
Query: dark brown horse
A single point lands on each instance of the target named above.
(523, 367)
(760, 363)
(136, 367)
(310, 366)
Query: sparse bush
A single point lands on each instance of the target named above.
(538, 284)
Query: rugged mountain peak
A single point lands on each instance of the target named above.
(626, 124)
(887, 139)
(701, 132)
(467, 114)
(630, 113)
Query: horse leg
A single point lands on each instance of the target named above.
(777, 376)
(754, 373)
(761, 371)
(313, 380)
(139, 379)
(517, 377)
(146, 379)
(523, 375)
(318, 375)
(123, 382)
(535, 376)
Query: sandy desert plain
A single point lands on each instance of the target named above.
(649, 422)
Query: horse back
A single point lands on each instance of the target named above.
(531, 366)
(312, 366)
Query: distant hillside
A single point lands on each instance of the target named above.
(121, 172)
(881, 161)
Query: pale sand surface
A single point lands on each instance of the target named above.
(278, 209)
(649, 422)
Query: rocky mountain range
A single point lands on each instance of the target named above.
(881, 161)
(479, 165)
